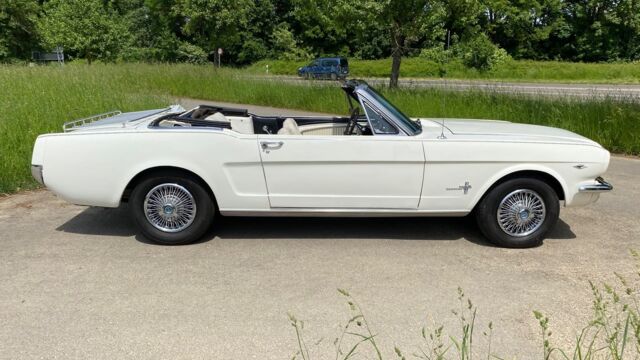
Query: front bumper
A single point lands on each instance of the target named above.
(598, 187)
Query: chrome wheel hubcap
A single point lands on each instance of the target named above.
(521, 213)
(170, 207)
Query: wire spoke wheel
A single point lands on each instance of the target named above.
(170, 207)
(521, 213)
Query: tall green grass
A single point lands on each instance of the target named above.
(35, 100)
(515, 70)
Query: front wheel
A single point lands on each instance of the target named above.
(172, 209)
(518, 213)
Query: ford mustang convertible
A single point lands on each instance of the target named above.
(180, 169)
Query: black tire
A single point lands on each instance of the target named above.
(334, 76)
(487, 212)
(201, 222)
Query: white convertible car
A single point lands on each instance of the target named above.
(180, 169)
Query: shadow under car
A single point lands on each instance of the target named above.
(118, 222)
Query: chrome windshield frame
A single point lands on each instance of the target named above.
(363, 92)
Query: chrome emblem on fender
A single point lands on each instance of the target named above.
(464, 187)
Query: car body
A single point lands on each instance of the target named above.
(379, 163)
(326, 68)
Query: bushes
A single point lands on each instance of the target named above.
(191, 54)
(285, 46)
(478, 53)
(481, 54)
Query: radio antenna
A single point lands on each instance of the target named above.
(444, 97)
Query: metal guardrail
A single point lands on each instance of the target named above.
(70, 125)
(56, 55)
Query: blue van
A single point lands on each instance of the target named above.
(326, 68)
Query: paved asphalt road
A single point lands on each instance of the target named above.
(532, 89)
(79, 283)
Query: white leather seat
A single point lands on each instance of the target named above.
(218, 116)
(240, 124)
(289, 127)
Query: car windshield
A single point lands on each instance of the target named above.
(414, 126)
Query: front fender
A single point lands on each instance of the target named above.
(515, 169)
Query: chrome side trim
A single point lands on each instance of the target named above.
(291, 212)
(601, 186)
(36, 172)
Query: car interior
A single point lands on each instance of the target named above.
(241, 121)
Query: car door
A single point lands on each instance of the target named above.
(315, 68)
(379, 171)
(342, 172)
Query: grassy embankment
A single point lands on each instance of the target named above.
(515, 71)
(38, 100)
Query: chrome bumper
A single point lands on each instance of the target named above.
(601, 186)
(36, 172)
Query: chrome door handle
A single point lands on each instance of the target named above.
(271, 145)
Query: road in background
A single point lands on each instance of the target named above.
(79, 282)
(631, 92)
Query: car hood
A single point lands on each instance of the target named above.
(504, 130)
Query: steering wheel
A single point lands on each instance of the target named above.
(352, 125)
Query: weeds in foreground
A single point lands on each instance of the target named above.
(613, 333)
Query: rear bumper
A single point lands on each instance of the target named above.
(36, 172)
(599, 186)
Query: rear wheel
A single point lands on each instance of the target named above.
(518, 213)
(334, 76)
(172, 209)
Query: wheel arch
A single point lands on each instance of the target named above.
(548, 176)
(164, 170)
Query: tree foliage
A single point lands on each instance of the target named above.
(85, 28)
(250, 30)
(18, 33)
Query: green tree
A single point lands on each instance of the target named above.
(153, 33)
(628, 23)
(523, 27)
(365, 35)
(18, 33)
(407, 20)
(285, 46)
(317, 24)
(602, 30)
(85, 28)
(241, 27)
(460, 20)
